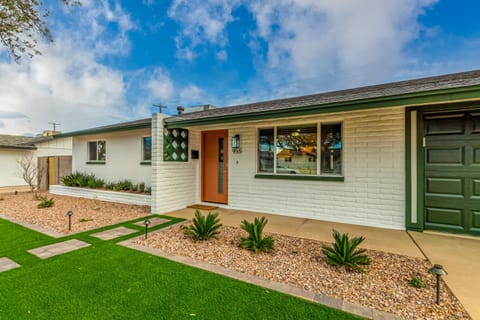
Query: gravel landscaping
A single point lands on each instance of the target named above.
(88, 214)
(299, 262)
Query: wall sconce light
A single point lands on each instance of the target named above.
(236, 144)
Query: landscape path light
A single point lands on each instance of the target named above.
(69, 215)
(438, 271)
(146, 223)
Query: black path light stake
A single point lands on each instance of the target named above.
(146, 223)
(69, 215)
(438, 271)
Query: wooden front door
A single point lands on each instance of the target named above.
(214, 166)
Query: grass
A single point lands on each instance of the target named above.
(107, 281)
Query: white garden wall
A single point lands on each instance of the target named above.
(372, 193)
(123, 156)
(104, 195)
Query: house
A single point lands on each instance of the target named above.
(49, 154)
(403, 155)
(114, 152)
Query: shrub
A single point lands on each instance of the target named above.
(417, 283)
(79, 179)
(46, 203)
(124, 185)
(94, 182)
(109, 186)
(343, 252)
(141, 186)
(255, 240)
(148, 190)
(203, 228)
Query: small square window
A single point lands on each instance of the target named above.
(97, 150)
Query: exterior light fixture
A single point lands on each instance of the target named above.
(438, 271)
(236, 144)
(69, 214)
(146, 223)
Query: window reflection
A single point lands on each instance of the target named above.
(297, 149)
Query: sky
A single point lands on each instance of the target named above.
(111, 61)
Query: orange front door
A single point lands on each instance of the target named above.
(214, 166)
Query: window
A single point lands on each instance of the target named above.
(97, 151)
(147, 148)
(308, 150)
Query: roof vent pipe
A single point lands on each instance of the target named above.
(180, 110)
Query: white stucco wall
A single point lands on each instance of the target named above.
(372, 193)
(123, 156)
(55, 147)
(9, 168)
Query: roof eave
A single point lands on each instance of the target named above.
(18, 147)
(102, 130)
(407, 99)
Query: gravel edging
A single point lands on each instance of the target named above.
(299, 262)
(335, 303)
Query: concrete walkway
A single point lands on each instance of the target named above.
(387, 240)
(56, 249)
(7, 264)
(460, 256)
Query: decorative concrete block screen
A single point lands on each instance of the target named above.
(175, 144)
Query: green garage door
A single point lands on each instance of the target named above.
(452, 172)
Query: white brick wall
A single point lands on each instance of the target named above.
(372, 194)
(104, 195)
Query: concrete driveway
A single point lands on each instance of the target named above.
(460, 256)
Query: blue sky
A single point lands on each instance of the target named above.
(111, 60)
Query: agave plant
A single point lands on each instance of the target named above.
(255, 240)
(344, 252)
(203, 227)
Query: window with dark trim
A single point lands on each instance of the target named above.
(147, 149)
(97, 150)
(307, 149)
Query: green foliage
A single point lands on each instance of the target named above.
(124, 185)
(255, 240)
(417, 282)
(22, 25)
(203, 228)
(148, 190)
(46, 203)
(141, 186)
(343, 252)
(109, 185)
(79, 179)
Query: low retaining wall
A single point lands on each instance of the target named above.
(112, 196)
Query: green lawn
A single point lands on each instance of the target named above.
(107, 281)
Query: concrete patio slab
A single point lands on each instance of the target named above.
(58, 248)
(7, 264)
(387, 240)
(113, 233)
(460, 257)
(153, 222)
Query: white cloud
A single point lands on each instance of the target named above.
(160, 85)
(202, 21)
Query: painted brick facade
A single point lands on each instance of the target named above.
(373, 192)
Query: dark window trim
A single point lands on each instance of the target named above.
(96, 162)
(146, 163)
(299, 177)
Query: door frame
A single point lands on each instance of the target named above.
(415, 160)
(225, 161)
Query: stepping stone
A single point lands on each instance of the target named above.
(58, 248)
(7, 264)
(113, 233)
(153, 222)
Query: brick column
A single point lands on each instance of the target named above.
(157, 160)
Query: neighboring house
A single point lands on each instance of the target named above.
(14, 148)
(114, 152)
(403, 155)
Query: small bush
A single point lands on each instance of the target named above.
(343, 252)
(79, 179)
(141, 186)
(124, 185)
(203, 228)
(255, 240)
(46, 203)
(417, 282)
(109, 186)
(148, 190)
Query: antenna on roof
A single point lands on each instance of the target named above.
(54, 125)
(160, 107)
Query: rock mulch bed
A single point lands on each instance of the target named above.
(299, 262)
(88, 214)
